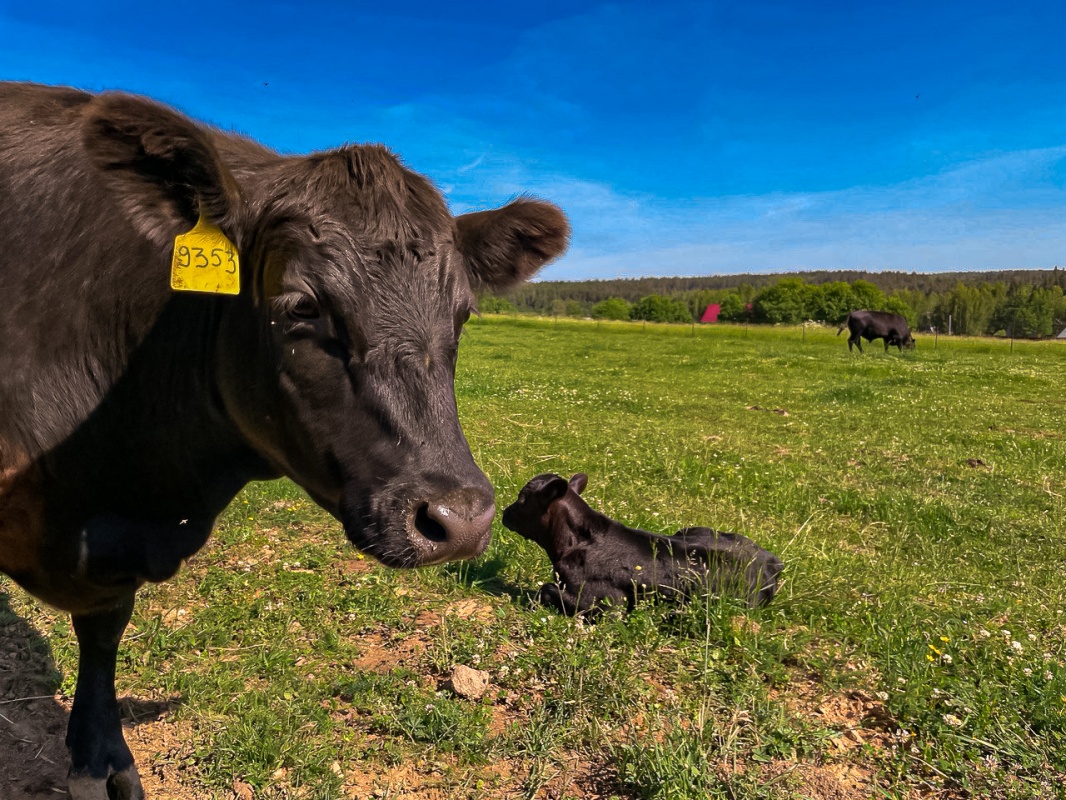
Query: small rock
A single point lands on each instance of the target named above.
(242, 790)
(468, 682)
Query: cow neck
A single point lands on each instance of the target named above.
(159, 429)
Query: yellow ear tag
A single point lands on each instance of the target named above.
(205, 261)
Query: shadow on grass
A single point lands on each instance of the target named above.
(484, 575)
(33, 758)
(33, 718)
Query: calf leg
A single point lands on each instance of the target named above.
(101, 763)
(551, 595)
(566, 602)
(855, 340)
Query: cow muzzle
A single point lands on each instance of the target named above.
(453, 527)
(409, 530)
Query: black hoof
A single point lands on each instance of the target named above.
(125, 785)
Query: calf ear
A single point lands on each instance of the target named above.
(505, 246)
(161, 166)
(579, 481)
(554, 489)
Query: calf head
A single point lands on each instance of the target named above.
(336, 363)
(531, 514)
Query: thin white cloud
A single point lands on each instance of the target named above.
(1005, 211)
(477, 162)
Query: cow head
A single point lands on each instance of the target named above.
(530, 515)
(336, 363)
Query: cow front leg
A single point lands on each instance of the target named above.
(101, 765)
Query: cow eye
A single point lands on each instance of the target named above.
(305, 308)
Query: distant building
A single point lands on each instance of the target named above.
(710, 314)
(1062, 335)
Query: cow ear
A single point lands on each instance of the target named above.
(507, 245)
(579, 481)
(162, 166)
(555, 488)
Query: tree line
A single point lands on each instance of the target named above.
(1021, 303)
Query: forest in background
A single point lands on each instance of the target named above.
(1021, 303)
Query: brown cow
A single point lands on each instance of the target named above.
(130, 415)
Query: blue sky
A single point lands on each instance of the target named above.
(681, 138)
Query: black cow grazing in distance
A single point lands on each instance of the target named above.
(600, 562)
(131, 414)
(870, 325)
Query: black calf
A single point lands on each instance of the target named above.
(599, 561)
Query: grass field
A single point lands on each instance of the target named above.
(917, 649)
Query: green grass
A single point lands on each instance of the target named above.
(917, 647)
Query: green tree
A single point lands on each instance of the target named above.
(867, 296)
(781, 302)
(1028, 312)
(831, 302)
(972, 309)
(611, 308)
(488, 304)
(920, 303)
(656, 308)
(733, 308)
(897, 305)
(746, 292)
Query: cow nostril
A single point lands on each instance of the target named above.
(428, 526)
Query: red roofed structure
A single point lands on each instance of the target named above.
(711, 313)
